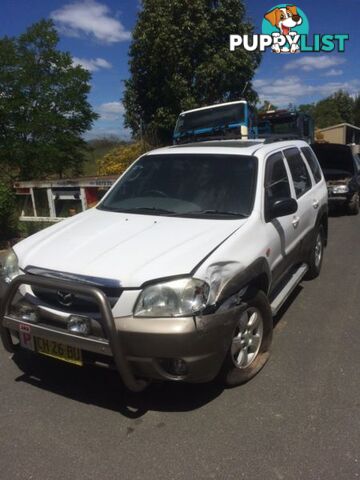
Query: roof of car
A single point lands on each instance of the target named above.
(242, 147)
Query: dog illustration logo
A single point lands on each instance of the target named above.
(284, 21)
(284, 18)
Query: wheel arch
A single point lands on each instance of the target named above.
(256, 276)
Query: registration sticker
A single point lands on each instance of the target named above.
(26, 339)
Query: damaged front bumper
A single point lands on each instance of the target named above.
(188, 349)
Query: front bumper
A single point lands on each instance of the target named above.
(339, 198)
(140, 348)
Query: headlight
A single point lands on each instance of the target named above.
(10, 266)
(340, 189)
(178, 298)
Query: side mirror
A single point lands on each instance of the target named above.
(282, 207)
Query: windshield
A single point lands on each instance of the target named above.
(225, 116)
(186, 185)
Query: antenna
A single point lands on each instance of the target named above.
(245, 88)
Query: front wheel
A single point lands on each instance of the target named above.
(354, 205)
(250, 343)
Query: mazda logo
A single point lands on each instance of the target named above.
(65, 298)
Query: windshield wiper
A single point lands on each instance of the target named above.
(137, 210)
(216, 212)
(148, 210)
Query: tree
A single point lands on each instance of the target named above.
(337, 108)
(43, 105)
(180, 59)
(308, 108)
(345, 105)
(357, 111)
(326, 113)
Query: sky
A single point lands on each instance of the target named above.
(98, 33)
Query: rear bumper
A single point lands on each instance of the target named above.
(140, 348)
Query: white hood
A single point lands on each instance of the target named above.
(130, 248)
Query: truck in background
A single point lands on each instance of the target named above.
(284, 123)
(224, 120)
(240, 120)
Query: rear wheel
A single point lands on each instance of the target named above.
(354, 204)
(250, 343)
(316, 255)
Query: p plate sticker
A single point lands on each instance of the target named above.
(26, 339)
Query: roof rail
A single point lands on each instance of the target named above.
(281, 138)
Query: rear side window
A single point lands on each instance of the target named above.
(299, 172)
(276, 181)
(313, 163)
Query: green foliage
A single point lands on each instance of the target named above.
(43, 105)
(344, 105)
(97, 149)
(337, 108)
(357, 111)
(326, 113)
(308, 108)
(25, 229)
(120, 158)
(8, 220)
(180, 59)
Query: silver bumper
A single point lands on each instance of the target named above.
(110, 346)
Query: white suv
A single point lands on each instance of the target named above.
(178, 272)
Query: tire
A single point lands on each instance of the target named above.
(353, 205)
(245, 357)
(316, 255)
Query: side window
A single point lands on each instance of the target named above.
(299, 172)
(313, 163)
(276, 181)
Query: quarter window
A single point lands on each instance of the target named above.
(299, 172)
(313, 163)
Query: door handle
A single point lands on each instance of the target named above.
(295, 222)
(315, 204)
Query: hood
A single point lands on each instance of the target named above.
(132, 249)
(337, 175)
(334, 157)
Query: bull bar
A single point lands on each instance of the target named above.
(112, 342)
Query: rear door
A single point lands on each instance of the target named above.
(304, 219)
(280, 231)
(319, 185)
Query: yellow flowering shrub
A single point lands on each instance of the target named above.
(118, 160)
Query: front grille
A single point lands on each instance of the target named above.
(67, 301)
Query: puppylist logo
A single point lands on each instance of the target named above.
(285, 29)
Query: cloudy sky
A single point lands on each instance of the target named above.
(98, 32)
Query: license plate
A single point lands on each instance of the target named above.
(57, 350)
(60, 351)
